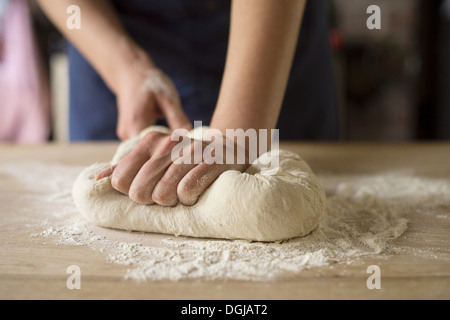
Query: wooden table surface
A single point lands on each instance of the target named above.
(34, 270)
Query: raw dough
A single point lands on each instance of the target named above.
(260, 204)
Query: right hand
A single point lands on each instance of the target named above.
(145, 94)
(149, 174)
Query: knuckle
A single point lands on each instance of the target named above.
(139, 195)
(150, 138)
(165, 193)
(119, 183)
(167, 142)
(165, 145)
(185, 192)
(164, 198)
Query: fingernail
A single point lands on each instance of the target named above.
(105, 173)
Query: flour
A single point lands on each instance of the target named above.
(364, 214)
(237, 205)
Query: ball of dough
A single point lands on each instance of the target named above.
(261, 204)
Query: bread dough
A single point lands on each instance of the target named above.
(262, 204)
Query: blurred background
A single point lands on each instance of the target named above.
(392, 83)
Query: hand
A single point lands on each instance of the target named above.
(144, 95)
(148, 175)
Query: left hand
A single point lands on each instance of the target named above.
(148, 175)
(144, 95)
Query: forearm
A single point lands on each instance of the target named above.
(102, 38)
(263, 39)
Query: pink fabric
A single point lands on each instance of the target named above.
(24, 97)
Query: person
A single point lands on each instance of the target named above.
(230, 64)
(24, 92)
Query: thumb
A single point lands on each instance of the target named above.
(173, 112)
(126, 129)
(106, 173)
(135, 116)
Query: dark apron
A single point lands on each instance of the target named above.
(188, 40)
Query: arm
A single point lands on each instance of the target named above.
(262, 43)
(263, 39)
(101, 35)
(121, 63)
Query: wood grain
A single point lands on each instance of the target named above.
(31, 269)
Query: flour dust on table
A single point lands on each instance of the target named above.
(363, 217)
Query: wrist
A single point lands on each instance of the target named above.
(129, 58)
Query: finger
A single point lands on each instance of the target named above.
(131, 128)
(127, 169)
(137, 116)
(165, 191)
(142, 187)
(173, 112)
(197, 181)
(106, 173)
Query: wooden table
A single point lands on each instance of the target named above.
(34, 270)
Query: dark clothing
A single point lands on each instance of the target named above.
(187, 39)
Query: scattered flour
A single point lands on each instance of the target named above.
(364, 213)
